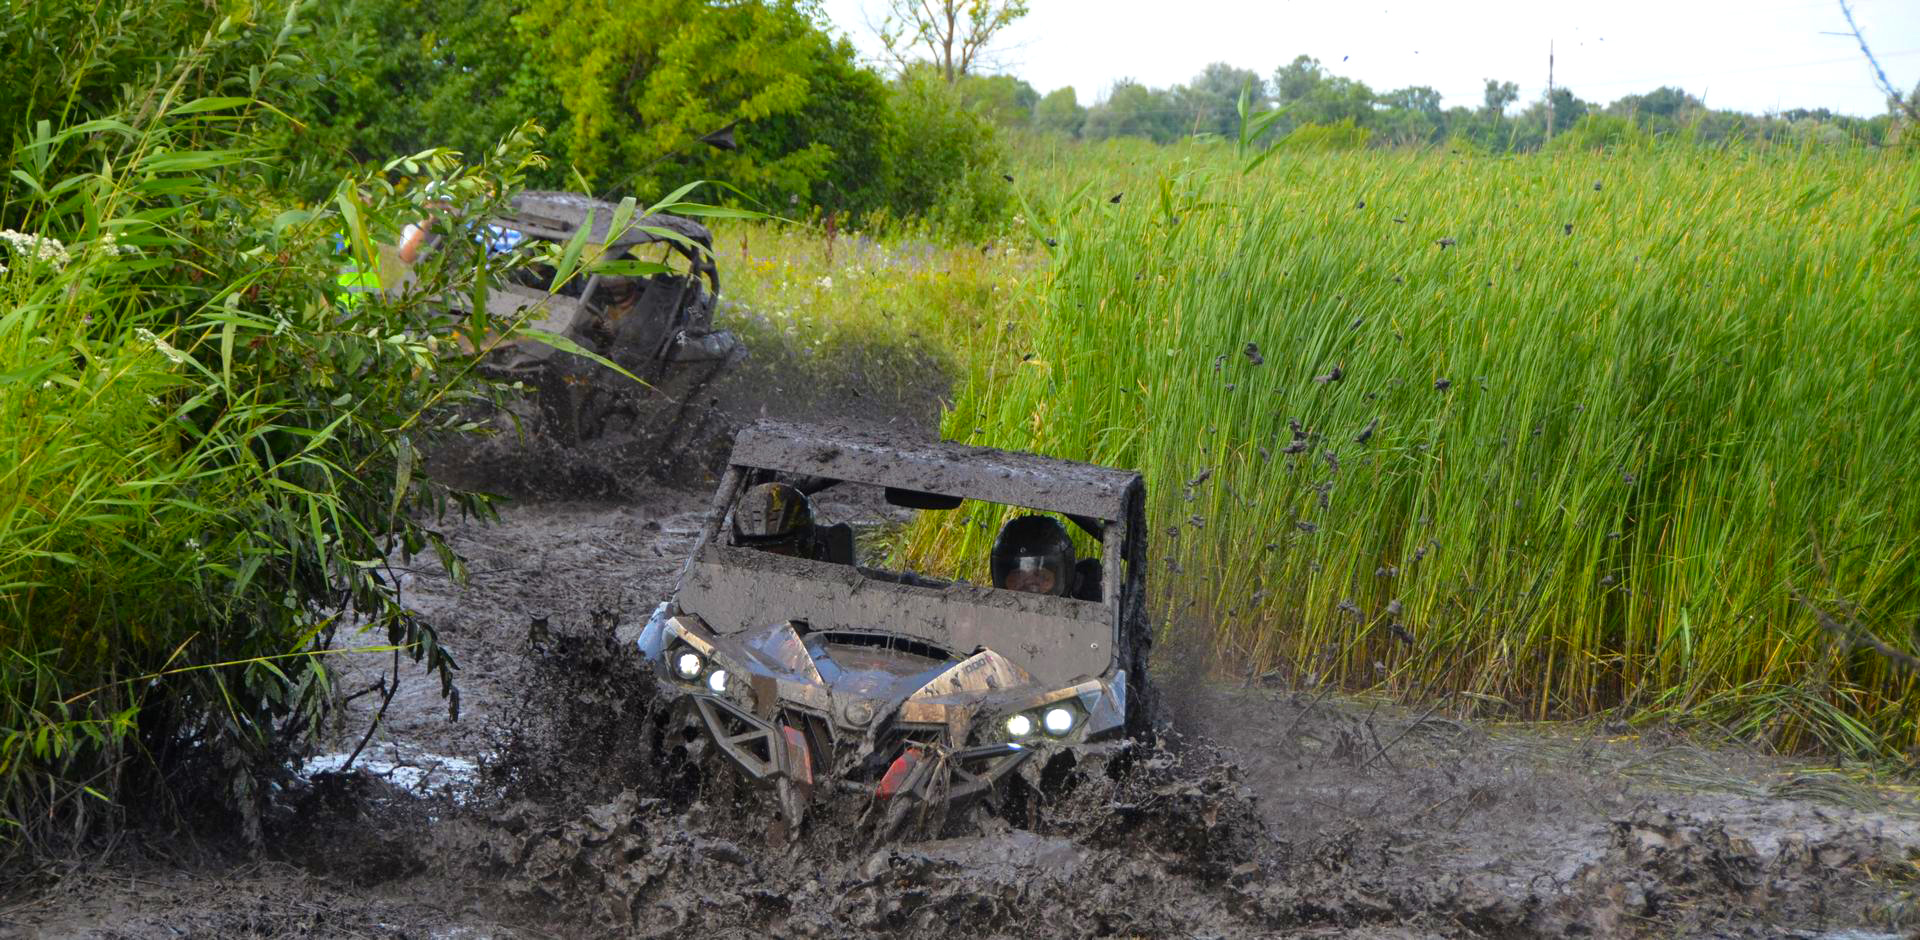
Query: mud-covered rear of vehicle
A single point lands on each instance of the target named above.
(648, 304)
(817, 668)
(659, 327)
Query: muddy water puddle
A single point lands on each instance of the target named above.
(1260, 812)
(412, 770)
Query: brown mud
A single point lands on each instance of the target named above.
(1258, 812)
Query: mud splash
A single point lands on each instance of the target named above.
(1258, 812)
(1171, 840)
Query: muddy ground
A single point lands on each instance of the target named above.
(1260, 811)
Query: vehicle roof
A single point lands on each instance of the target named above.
(934, 466)
(555, 216)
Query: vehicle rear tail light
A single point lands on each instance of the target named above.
(799, 759)
(896, 775)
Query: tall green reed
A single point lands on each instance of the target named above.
(1575, 430)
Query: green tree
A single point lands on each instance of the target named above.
(1412, 115)
(1297, 79)
(1134, 110)
(1210, 103)
(395, 76)
(954, 33)
(1060, 112)
(1312, 95)
(1499, 96)
(1567, 107)
(1003, 99)
(1660, 111)
(944, 159)
(642, 81)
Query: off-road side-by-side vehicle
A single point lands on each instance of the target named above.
(669, 316)
(811, 669)
(649, 325)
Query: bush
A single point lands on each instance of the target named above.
(631, 88)
(641, 83)
(845, 118)
(211, 460)
(945, 160)
(395, 76)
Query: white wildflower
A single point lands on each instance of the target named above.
(826, 283)
(37, 247)
(146, 336)
(110, 243)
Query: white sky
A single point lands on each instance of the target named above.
(1756, 56)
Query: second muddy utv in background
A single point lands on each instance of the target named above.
(649, 325)
(669, 317)
(816, 669)
(659, 327)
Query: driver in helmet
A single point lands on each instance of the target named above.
(775, 517)
(1033, 554)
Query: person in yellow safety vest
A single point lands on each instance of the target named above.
(355, 280)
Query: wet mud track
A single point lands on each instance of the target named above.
(1260, 812)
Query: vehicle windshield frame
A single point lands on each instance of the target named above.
(1112, 538)
(1053, 638)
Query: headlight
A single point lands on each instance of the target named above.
(1058, 720)
(687, 665)
(1019, 726)
(717, 681)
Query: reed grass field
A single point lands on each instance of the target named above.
(1547, 434)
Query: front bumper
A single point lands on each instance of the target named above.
(780, 754)
(781, 723)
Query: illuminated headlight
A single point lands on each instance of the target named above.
(717, 681)
(687, 665)
(1019, 726)
(1058, 720)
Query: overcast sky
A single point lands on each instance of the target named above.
(1756, 56)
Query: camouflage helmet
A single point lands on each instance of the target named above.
(1033, 553)
(771, 512)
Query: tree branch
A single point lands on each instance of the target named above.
(1894, 95)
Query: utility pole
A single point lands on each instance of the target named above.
(1549, 89)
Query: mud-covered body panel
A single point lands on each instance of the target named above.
(1057, 638)
(812, 670)
(942, 467)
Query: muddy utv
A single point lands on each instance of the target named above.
(668, 315)
(817, 670)
(659, 327)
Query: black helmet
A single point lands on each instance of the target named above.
(773, 516)
(1033, 554)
